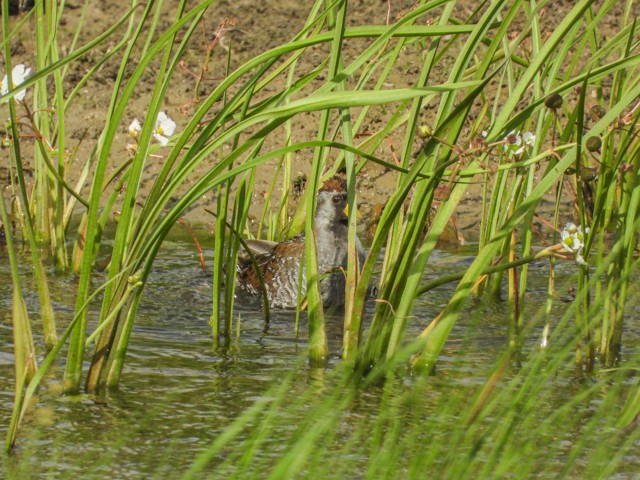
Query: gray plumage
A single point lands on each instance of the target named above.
(280, 263)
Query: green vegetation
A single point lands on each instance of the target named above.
(526, 114)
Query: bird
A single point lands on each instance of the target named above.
(280, 263)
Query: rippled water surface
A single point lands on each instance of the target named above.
(177, 395)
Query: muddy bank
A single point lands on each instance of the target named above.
(251, 28)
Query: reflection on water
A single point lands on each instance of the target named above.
(177, 395)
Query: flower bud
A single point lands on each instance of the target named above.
(424, 131)
(135, 280)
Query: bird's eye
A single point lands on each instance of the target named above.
(336, 199)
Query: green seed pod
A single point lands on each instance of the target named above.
(588, 173)
(594, 144)
(597, 112)
(136, 279)
(424, 131)
(553, 101)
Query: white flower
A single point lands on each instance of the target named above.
(19, 74)
(529, 139)
(135, 128)
(516, 143)
(572, 240)
(164, 128)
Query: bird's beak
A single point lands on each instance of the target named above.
(358, 214)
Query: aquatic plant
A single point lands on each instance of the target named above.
(506, 77)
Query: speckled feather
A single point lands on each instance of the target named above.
(280, 265)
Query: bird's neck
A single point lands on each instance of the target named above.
(331, 243)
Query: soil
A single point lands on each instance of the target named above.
(253, 27)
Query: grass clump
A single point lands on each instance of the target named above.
(525, 113)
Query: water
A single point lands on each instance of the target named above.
(177, 395)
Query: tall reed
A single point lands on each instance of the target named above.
(492, 428)
(29, 231)
(140, 233)
(511, 77)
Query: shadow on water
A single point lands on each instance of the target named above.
(177, 395)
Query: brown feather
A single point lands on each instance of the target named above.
(334, 184)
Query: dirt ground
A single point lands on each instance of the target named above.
(257, 26)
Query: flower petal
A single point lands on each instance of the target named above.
(19, 73)
(135, 128)
(167, 125)
(20, 95)
(580, 260)
(162, 139)
(4, 88)
(529, 138)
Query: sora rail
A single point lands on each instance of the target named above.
(280, 263)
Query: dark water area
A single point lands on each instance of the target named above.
(177, 395)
